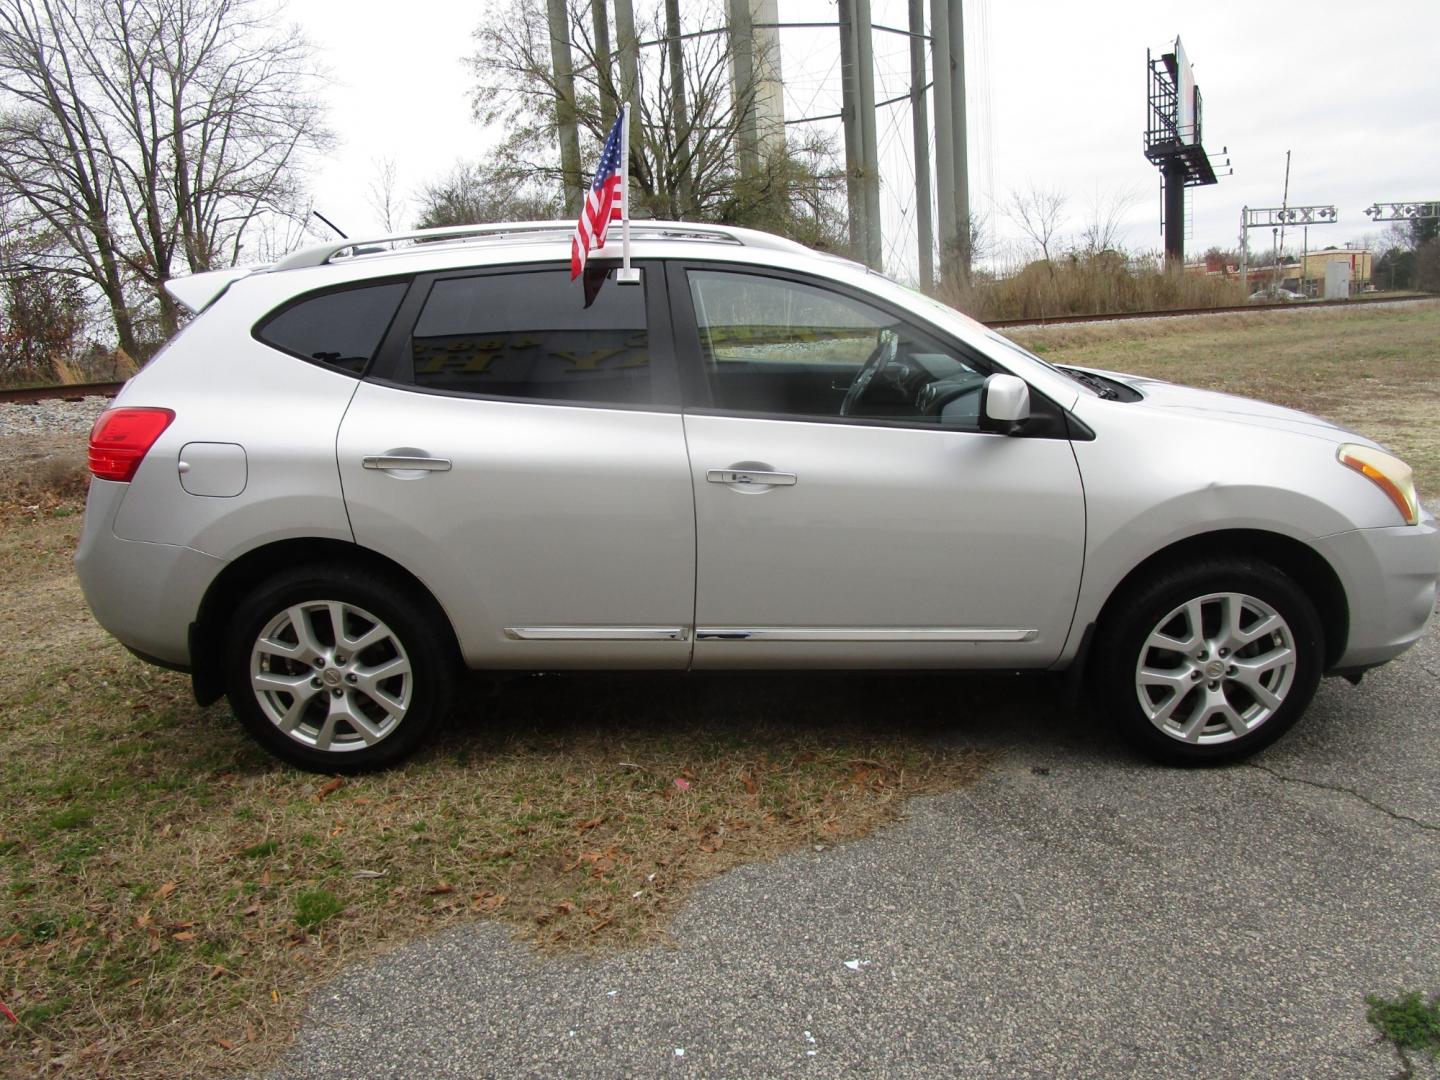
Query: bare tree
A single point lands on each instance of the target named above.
(473, 193)
(148, 135)
(1103, 225)
(42, 316)
(683, 162)
(384, 195)
(1038, 213)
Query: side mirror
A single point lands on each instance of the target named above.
(1004, 402)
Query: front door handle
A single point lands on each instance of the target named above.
(758, 477)
(395, 462)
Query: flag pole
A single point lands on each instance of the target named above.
(628, 275)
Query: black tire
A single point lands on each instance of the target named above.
(1230, 711)
(352, 687)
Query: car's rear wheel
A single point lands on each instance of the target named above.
(337, 671)
(1212, 662)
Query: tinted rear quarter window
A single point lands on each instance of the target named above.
(529, 334)
(340, 329)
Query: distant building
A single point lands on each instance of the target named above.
(1303, 274)
(1312, 273)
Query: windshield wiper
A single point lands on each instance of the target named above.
(1084, 378)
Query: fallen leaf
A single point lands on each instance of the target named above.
(184, 935)
(165, 890)
(226, 1043)
(440, 889)
(750, 786)
(590, 823)
(369, 874)
(253, 909)
(330, 788)
(682, 783)
(5, 1010)
(218, 970)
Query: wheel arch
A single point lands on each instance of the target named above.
(254, 567)
(1307, 567)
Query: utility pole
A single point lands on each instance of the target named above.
(850, 121)
(920, 119)
(944, 131)
(565, 120)
(742, 74)
(679, 108)
(629, 48)
(609, 97)
(960, 137)
(870, 179)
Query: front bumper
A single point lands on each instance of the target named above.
(145, 594)
(1390, 580)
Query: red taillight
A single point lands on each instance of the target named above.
(121, 438)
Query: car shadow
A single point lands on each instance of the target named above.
(985, 712)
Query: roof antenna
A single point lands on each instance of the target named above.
(327, 221)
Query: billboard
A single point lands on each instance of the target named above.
(1187, 124)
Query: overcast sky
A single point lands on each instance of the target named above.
(1057, 100)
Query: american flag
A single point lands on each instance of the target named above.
(603, 202)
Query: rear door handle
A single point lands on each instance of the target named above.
(389, 462)
(750, 476)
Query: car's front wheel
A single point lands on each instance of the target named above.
(1211, 662)
(337, 671)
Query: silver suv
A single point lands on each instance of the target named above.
(361, 468)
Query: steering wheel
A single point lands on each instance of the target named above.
(887, 346)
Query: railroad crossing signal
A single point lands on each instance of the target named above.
(1275, 216)
(1403, 211)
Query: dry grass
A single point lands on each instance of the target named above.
(1089, 285)
(1373, 369)
(170, 894)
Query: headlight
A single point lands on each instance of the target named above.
(1388, 473)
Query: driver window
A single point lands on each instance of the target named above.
(783, 347)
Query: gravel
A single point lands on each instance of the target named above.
(50, 417)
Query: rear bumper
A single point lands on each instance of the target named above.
(1390, 578)
(145, 594)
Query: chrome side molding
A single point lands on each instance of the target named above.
(943, 634)
(597, 633)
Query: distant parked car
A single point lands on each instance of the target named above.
(1275, 295)
(355, 473)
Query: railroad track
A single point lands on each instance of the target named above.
(65, 392)
(76, 391)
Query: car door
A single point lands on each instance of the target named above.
(849, 508)
(519, 449)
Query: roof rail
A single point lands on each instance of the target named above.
(645, 230)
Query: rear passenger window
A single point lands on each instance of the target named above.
(531, 335)
(339, 329)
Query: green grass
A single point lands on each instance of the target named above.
(314, 906)
(1409, 1022)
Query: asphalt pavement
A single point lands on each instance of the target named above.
(1076, 913)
